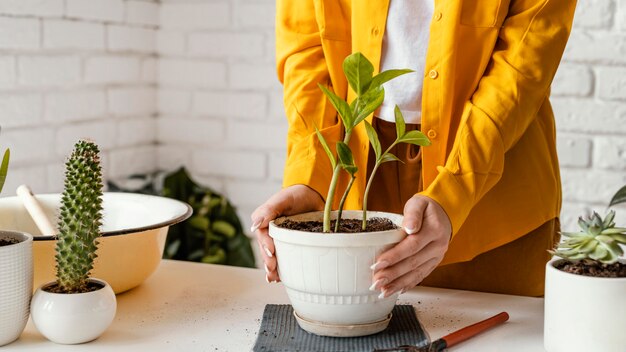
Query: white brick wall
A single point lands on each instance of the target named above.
(192, 82)
(589, 96)
(72, 69)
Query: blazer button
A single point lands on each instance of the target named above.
(375, 31)
(432, 134)
(433, 74)
(438, 16)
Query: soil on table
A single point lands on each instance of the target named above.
(8, 241)
(345, 226)
(55, 288)
(594, 269)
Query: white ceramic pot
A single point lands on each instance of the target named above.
(584, 313)
(73, 318)
(16, 285)
(327, 275)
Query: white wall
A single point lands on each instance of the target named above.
(220, 102)
(74, 68)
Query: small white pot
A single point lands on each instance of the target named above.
(584, 313)
(327, 275)
(16, 285)
(73, 318)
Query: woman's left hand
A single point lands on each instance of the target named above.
(407, 263)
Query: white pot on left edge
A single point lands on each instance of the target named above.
(73, 318)
(16, 284)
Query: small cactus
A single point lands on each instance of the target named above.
(599, 241)
(80, 218)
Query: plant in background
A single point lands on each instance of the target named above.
(369, 96)
(212, 235)
(619, 197)
(80, 218)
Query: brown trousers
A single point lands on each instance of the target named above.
(516, 268)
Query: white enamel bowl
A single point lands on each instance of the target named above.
(134, 232)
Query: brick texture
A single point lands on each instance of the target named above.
(160, 84)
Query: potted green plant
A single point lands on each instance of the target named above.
(76, 308)
(324, 258)
(585, 302)
(16, 275)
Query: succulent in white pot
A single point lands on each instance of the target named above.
(76, 308)
(585, 297)
(325, 258)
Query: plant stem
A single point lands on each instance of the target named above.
(369, 184)
(332, 188)
(343, 200)
(367, 191)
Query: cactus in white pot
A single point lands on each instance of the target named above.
(83, 307)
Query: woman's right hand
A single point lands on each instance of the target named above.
(292, 200)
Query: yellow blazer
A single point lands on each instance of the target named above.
(492, 164)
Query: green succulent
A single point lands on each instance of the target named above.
(80, 218)
(599, 240)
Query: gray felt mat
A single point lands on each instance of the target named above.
(280, 332)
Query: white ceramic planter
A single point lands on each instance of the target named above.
(16, 285)
(73, 318)
(584, 313)
(327, 276)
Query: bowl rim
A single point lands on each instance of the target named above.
(182, 217)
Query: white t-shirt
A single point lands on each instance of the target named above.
(404, 46)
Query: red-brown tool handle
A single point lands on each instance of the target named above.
(474, 329)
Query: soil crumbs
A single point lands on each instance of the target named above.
(345, 226)
(596, 269)
(8, 241)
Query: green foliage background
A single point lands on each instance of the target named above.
(213, 234)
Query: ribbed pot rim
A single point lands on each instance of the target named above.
(318, 239)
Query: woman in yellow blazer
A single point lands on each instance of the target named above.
(491, 193)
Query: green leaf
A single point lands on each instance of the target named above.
(608, 219)
(386, 76)
(619, 197)
(614, 230)
(199, 222)
(416, 138)
(4, 168)
(333, 162)
(351, 170)
(345, 154)
(373, 137)
(368, 103)
(358, 71)
(224, 228)
(340, 105)
(389, 157)
(599, 253)
(400, 126)
(621, 238)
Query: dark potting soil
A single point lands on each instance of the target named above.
(8, 241)
(345, 226)
(55, 288)
(594, 269)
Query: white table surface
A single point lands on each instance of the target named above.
(200, 307)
